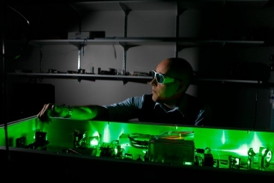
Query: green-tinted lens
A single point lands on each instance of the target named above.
(159, 77)
(162, 79)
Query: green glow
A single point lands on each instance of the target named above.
(188, 163)
(124, 141)
(94, 141)
(222, 142)
(25, 129)
(96, 133)
(106, 134)
(124, 146)
(242, 150)
(256, 143)
(223, 137)
(244, 146)
(115, 151)
(263, 151)
(83, 113)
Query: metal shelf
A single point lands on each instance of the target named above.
(116, 5)
(89, 5)
(149, 41)
(132, 41)
(91, 77)
(133, 78)
(229, 81)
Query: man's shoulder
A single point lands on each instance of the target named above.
(147, 96)
(194, 100)
(191, 97)
(147, 101)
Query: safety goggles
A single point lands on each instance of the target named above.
(161, 78)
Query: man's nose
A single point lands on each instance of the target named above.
(153, 82)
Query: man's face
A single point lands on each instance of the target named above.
(164, 92)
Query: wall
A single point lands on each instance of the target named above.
(234, 105)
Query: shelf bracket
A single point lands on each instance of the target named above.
(126, 10)
(79, 56)
(125, 47)
(180, 10)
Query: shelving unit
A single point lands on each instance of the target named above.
(178, 39)
(90, 77)
(127, 42)
(130, 42)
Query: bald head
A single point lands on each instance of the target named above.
(178, 68)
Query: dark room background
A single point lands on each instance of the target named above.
(228, 43)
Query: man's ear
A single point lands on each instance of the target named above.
(182, 87)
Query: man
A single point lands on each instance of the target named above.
(168, 102)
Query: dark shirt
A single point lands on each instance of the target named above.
(144, 109)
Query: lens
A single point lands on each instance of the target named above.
(159, 77)
(162, 79)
